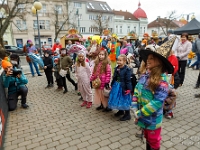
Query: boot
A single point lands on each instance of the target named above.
(100, 107)
(84, 103)
(76, 87)
(25, 106)
(107, 109)
(196, 86)
(89, 105)
(119, 113)
(148, 147)
(126, 116)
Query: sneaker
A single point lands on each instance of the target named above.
(125, 117)
(119, 113)
(39, 75)
(48, 86)
(197, 95)
(89, 105)
(169, 115)
(25, 106)
(84, 103)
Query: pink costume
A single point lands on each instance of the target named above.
(105, 78)
(83, 75)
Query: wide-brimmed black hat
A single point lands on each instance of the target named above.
(161, 52)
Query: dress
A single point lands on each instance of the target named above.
(118, 99)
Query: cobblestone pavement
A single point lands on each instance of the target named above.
(55, 121)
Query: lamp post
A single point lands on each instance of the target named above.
(188, 16)
(37, 6)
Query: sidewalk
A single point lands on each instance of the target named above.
(55, 121)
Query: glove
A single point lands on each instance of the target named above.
(107, 86)
(127, 92)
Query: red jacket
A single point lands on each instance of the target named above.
(56, 46)
(174, 61)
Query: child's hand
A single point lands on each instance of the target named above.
(127, 92)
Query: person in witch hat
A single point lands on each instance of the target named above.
(151, 92)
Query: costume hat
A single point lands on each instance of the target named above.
(5, 63)
(161, 52)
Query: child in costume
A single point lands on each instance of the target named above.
(48, 66)
(83, 74)
(170, 103)
(191, 55)
(120, 97)
(103, 71)
(57, 75)
(151, 91)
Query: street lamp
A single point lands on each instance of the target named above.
(37, 6)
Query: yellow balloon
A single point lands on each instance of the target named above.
(97, 38)
(33, 10)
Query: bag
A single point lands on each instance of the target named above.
(96, 83)
(62, 72)
(106, 92)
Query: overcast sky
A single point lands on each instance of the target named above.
(154, 8)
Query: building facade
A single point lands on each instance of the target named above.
(27, 28)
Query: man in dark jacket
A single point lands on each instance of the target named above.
(48, 66)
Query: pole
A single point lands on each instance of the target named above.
(78, 21)
(38, 34)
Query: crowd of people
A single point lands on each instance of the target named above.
(107, 67)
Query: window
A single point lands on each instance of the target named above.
(91, 5)
(82, 29)
(128, 29)
(116, 29)
(77, 5)
(44, 9)
(90, 17)
(102, 7)
(91, 30)
(21, 8)
(43, 24)
(120, 29)
(21, 24)
(110, 18)
(135, 29)
(58, 8)
(144, 29)
(104, 17)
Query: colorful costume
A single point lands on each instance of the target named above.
(105, 78)
(121, 83)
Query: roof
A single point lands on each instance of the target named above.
(193, 27)
(98, 6)
(160, 22)
(179, 23)
(127, 15)
(140, 13)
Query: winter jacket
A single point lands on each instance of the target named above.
(150, 105)
(183, 49)
(59, 46)
(174, 61)
(65, 61)
(14, 84)
(48, 62)
(125, 78)
(104, 77)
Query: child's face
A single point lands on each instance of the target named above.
(81, 57)
(120, 61)
(56, 62)
(102, 55)
(152, 62)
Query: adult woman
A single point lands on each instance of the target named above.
(183, 49)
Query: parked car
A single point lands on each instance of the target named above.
(14, 49)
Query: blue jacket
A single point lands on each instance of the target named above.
(14, 84)
(125, 78)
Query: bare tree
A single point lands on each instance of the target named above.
(167, 22)
(13, 9)
(101, 23)
(61, 19)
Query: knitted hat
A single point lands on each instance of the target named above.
(5, 63)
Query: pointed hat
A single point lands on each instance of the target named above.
(161, 52)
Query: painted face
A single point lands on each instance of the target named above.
(120, 61)
(152, 62)
(81, 57)
(102, 55)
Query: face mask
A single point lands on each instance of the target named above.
(46, 55)
(14, 62)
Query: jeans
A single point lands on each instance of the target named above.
(36, 68)
(13, 98)
(189, 62)
(197, 62)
